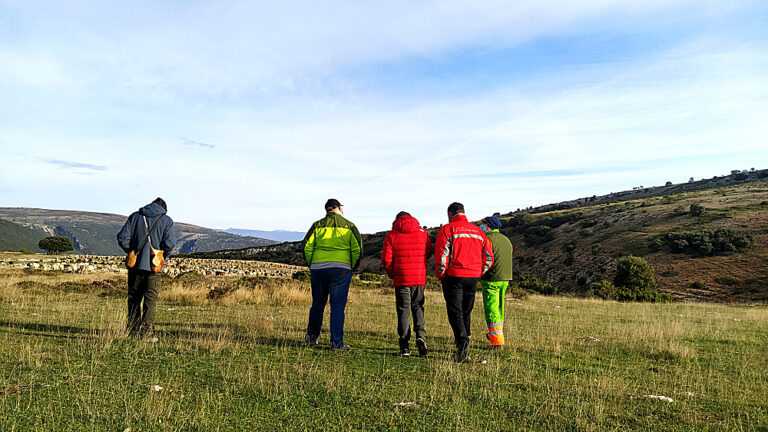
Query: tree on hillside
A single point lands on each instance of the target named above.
(55, 244)
(636, 281)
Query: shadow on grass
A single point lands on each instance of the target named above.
(59, 331)
(208, 331)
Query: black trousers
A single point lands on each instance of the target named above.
(409, 300)
(143, 286)
(459, 296)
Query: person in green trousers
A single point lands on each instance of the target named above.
(495, 281)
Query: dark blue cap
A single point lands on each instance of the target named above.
(492, 222)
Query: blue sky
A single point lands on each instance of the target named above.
(252, 114)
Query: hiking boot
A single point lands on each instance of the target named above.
(341, 347)
(310, 340)
(462, 353)
(422, 347)
(404, 352)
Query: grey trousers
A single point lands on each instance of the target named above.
(407, 300)
(142, 286)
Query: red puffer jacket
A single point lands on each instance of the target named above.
(462, 250)
(406, 250)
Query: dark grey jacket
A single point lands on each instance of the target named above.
(133, 233)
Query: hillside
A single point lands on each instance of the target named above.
(276, 235)
(94, 233)
(16, 237)
(581, 243)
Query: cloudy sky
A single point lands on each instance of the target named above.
(251, 114)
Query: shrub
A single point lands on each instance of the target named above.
(696, 209)
(539, 234)
(515, 292)
(534, 284)
(26, 252)
(635, 281)
(697, 285)
(589, 223)
(726, 280)
(636, 273)
(519, 220)
(586, 232)
(372, 277)
(704, 243)
(604, 289)
(679, 211)
(669, 273)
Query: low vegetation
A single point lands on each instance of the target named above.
(704, 243)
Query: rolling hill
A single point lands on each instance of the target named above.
(16, 237)
(94, 233)
(708, 239)
(276, 235)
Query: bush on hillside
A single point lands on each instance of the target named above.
(539, 234)
(696, 209)
(604, 289)
(533, 284)
(518, 220)
(636, 281)
(727, 280)
(372, 277)
(704, 243)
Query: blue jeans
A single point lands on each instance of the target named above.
(333, 282)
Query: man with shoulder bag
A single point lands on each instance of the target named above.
(147, 237)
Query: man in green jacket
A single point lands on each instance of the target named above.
(332, 249)
(495, 281)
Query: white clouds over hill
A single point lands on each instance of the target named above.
(387, 106)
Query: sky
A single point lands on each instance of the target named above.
(251, 114)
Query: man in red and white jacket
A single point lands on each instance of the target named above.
(404, 256)
(462, 254)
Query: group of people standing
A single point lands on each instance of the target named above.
(465, 254)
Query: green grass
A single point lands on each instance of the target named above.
(65, 364)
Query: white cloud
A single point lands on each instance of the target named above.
(116, 86)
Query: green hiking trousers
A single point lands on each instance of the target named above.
(493, 303)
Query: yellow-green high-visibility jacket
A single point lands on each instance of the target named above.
(333, 242)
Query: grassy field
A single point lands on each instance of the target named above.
(237, 362)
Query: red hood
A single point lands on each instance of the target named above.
(406, 224)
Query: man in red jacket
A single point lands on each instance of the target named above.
(404, 256)
(462, 254)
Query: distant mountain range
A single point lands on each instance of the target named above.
(277, 235)
(95, 233)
